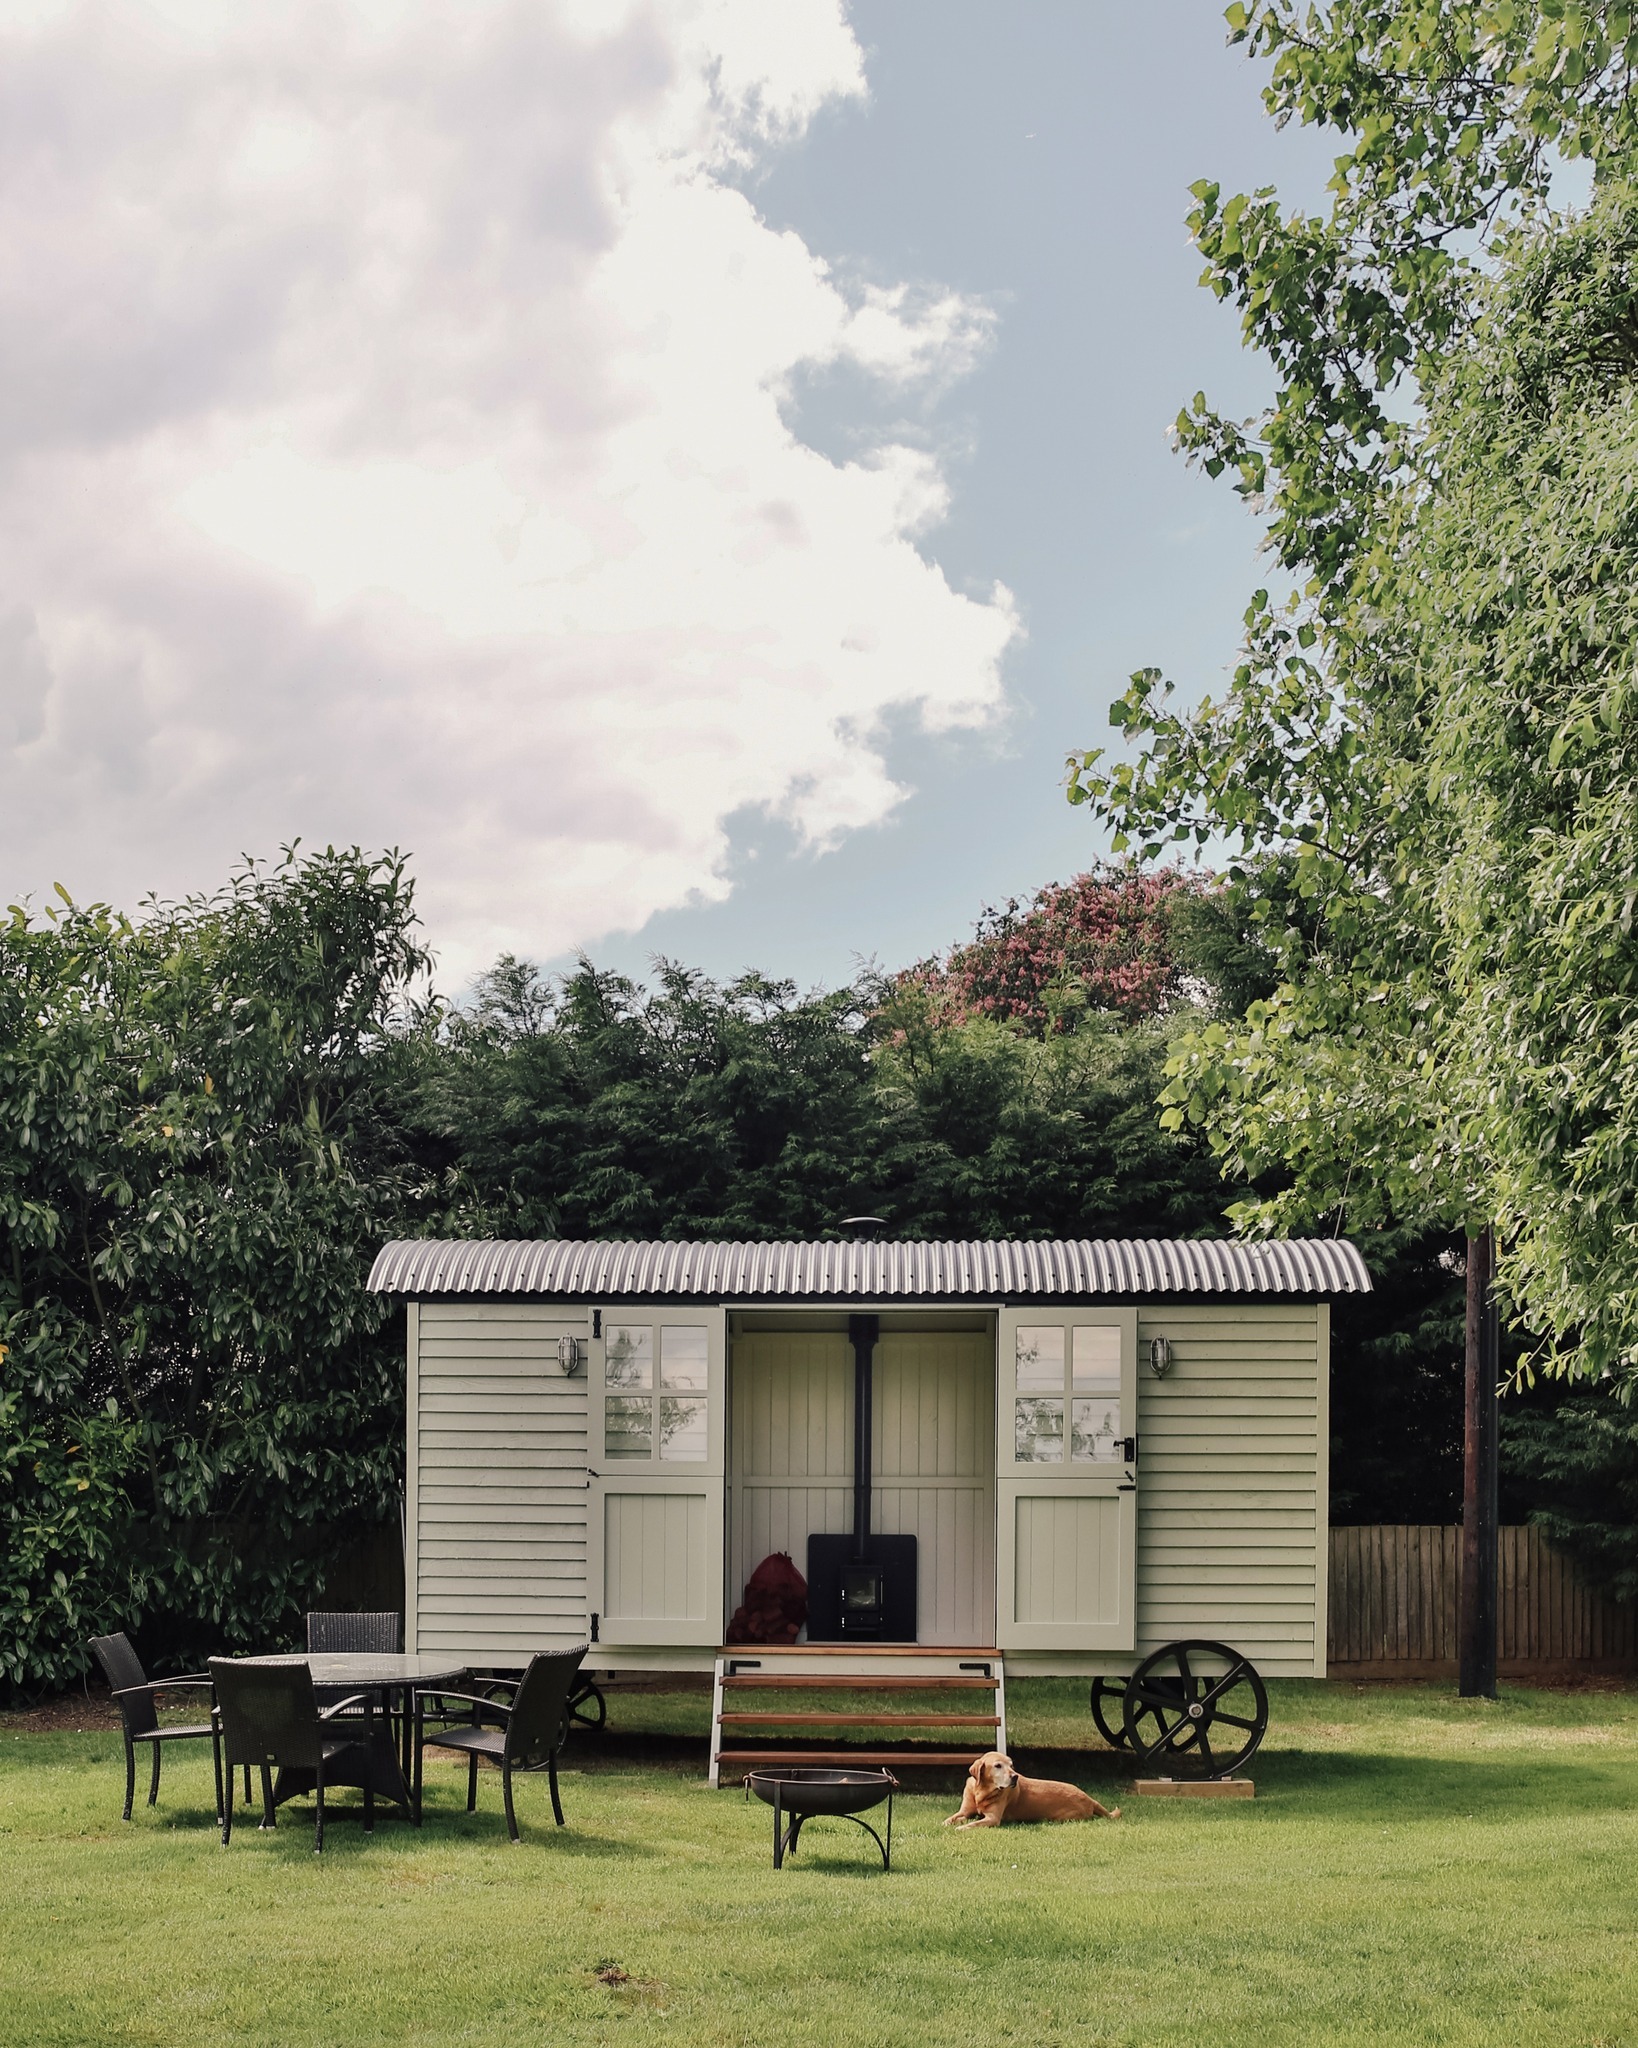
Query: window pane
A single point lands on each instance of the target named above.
(1094, 1427)
(683, 1358)
(1038, 1432)
(628, 1357)
(1097, 1357)
(682, 1426)
(628, 1426)
(1041, 1359)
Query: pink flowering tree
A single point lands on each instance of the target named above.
(1103, 941)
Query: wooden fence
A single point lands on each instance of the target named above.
(369, 1574)
(1393, 1605)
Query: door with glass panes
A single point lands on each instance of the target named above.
(1066, 1479)
(656, 1430)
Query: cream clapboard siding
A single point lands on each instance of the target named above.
(498, 1475)
(1232, 1525)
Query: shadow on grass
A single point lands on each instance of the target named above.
(344, 1829)
(689, 1755)
(344, 1835)
(1460, 1787)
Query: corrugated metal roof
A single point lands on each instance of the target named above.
(984, 1270)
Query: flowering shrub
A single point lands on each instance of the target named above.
(1103, 941)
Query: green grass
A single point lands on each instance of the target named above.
(1413, 1870)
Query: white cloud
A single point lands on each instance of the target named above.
(392, 450)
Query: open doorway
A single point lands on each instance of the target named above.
(790, 1451)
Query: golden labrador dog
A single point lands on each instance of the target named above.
(996, 1792)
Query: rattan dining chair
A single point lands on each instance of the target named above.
(530, 1733)
(138, 1710)
(269, 1716)
(368, 1635)
(379, 1635)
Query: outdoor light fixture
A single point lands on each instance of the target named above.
(1160, 1356)
(571, 1355)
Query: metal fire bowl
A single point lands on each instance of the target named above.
(809, 1792)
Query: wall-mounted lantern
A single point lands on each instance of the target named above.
(571, 1355)
(1160, 1356)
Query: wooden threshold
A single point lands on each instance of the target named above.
(760, 1650)
(749, 1681)
(823, 1720)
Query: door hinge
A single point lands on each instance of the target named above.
(1128, 1447)
(594, 1621)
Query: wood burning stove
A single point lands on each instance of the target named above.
(862, 1588)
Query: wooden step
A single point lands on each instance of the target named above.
(823, 1720)
(852, 1759)
(815, 1683)
(851, 1650)
(825, 1671)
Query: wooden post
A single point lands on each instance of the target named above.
(1480, 1561)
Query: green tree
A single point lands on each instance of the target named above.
(195, 1389)
(1423, 758)
(1580, 1462)
(595, 1107)
(691, 1109)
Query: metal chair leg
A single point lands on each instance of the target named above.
(551, 1779)
(506, 1797)
(269, 1816)
(369, 1763)
(318, 1824)
(130, 1775)
(227, 1808)
(216, 1767)
(472, 1783)
(418, 1761)
(153, 1775)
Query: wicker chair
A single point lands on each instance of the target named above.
(365, 1635)
(379, 1635)
(269, 1716)
(129, 1684)
(530, 1734)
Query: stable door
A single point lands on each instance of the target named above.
(1066, 1479)
(655, 1529)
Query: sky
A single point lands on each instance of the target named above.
(685, 472)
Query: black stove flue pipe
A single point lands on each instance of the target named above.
(862, 1332)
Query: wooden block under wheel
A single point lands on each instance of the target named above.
(1196, 1788)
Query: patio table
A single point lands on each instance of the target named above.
(396, 1678)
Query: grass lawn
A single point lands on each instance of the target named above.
(1412, 1870)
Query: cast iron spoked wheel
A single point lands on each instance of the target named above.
(1108, 1694)
(587, 1706)
(1199, 1709)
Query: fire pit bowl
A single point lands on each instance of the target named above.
(797, 1795)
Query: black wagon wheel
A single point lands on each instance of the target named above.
(587, 1706)
(1108, 1698)
(1199, 1707)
